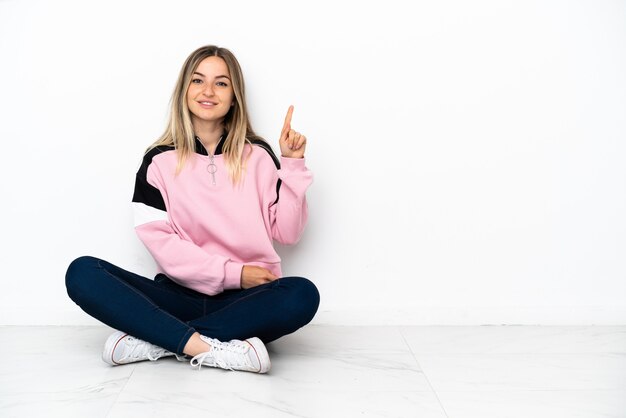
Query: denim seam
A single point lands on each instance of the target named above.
(184, 340)
(243, 298)
(143, 296)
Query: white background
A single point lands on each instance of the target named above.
(469, 157)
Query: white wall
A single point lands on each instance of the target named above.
(468, 156)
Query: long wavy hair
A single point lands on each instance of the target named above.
(179, 132)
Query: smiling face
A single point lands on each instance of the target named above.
(210, 93)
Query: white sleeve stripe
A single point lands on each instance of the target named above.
(144, 214)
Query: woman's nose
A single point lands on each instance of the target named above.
(208, 90)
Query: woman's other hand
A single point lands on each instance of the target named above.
(292, 143)
(252, 276)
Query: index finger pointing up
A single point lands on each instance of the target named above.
(287, 124)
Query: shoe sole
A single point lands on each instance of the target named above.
(110, 345)
(261, 354)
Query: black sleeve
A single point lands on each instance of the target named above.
(145, 192)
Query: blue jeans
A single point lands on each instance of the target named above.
(167, 314)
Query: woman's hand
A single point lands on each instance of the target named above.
(252, 276)
(292, 143)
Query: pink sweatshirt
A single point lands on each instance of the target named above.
(202, 234)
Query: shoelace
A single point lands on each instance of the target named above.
(224, 355)
(140, 349)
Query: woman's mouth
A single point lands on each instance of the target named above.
(207, 105)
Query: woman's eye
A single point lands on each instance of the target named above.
(221, 83)
(196, 80)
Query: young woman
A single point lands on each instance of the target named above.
(210, 197)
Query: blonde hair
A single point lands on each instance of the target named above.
(179, 132)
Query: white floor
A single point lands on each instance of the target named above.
(324, 371)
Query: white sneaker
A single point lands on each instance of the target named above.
(249, 355)
(121, 348)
